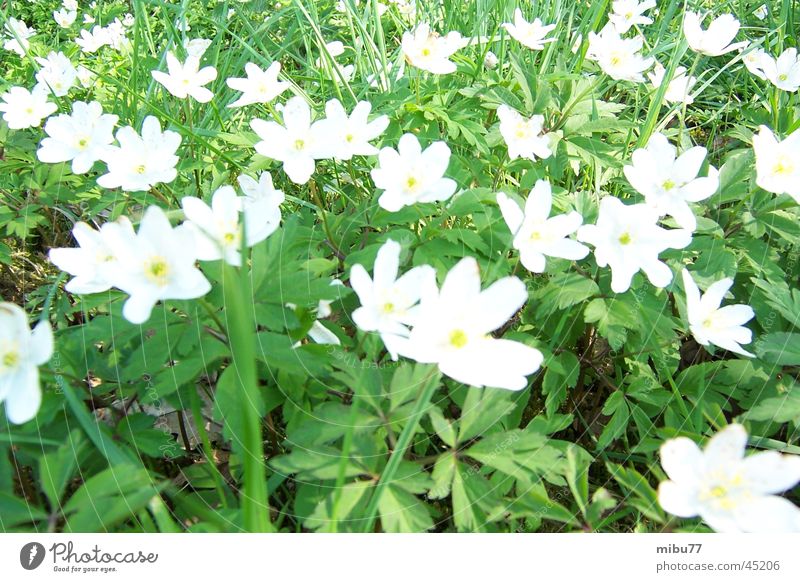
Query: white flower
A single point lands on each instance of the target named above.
(628, 13)
(117, 35)
(296, 144)
(128, 20)
(669, 184)
(530, 34)
(761, 12)
(17, 33)
(430, 52)
(92, 41)
(82, 137)
(22, 351)
(627, 239)
(454, 324)
(93, 264)
(196, 47)
(678, 90)
(778, 162)
(57, 73)
(85, 77)
(618, 57)
(259, 86)
(490, 61)
(389, 303)
(262, 191)
(138, 163)
(536, 235)
(88, 19)
(523, 136)
(158, 264)
(710, 323)
(784, 72)
(70, 4)
(730, 492)
(714, 41)
(217, 228)
(350, 135)
(65, 18)
(753, 60)
(22, 108)
(187, 79)
(410, 175)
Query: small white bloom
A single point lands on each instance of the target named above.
(65, 18)
(117, 36)
(530, 34)
(523, 136)
(22, 351)
(57, 73)
(389, 303)
(710, 323)
(70, 4)
(138, 163)
(536, 234)
(128, 20)
(628, 239)
(490, 61)
(262, 191)
(410, 175)
(753, 60)
(783, 72)
(350, 135)
(259, 86)
(430, 52)
(93, 264)
(82, 137)
(158, 264)
(628, 13)
(679, 89)
(22, 108)
(217, 228)
(778, 162)
(17, 35)
(454, 325)
(85, 77)
(296, 144)
(668, 183)
(714, 41)
(93, 41)
(618, 57)
(187, 79)
(88, 19)
(730, 492)
(761, 12)
(196, 47)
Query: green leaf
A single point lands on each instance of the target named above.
(402, 512)
(57, 468)
(780, 348)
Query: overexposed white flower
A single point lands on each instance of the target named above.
(679, 89)
(753, 59)
(339, 72)
(296, 144)
(187, 79)
(388, 302)
(17, 34)
(490, 60)
(710, 323)
(524, 136)
(70, 4)
(140, 162)
(730, 492)
(57, 73)
(628, 13)
(530, 34)
(453, 329)
(430, 52)
(88, 19)
(65, 18)
(117, 35)
(536, 234)
(158, 264)
(349, 135)
(22, 108)
(783, 72)
(92, 264)
(618, 57)
(778, 162)
(318, 332)
(93, 41)
(410, 174)
(669, 183)
(259, 86)
(196, 47)
(85, 76)
(218, 229)
(128, 20)
(22, 351)
(761, 12)
(628, 239)
(82, 137)
(262, 191)
(714, 41)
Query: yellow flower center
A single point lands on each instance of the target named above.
(229, 237)
(388, 307)
(536, 235)
(426, 52)
(625, 238)
(29, 110)
(668, 185)
(458, 339)
(783, 77)
(412, 183)
(140, 169)
(157, 271)
(783, 166)
(82, 143)
(616, 59)
(299, 144)
(349, 138)
(10, 359)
